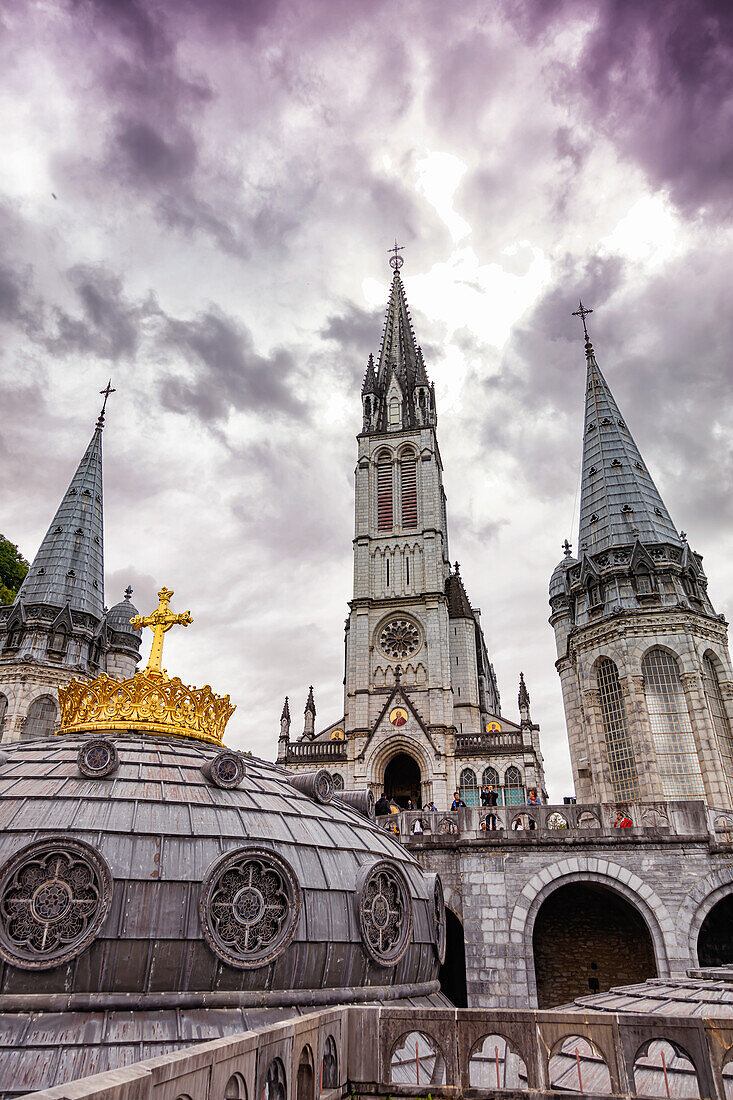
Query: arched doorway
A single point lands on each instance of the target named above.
(715, 940)
(402, 780)
(586, 939)
(453, 971)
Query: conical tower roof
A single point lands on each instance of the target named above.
(619, 501)
(69, 565)
(399, 349)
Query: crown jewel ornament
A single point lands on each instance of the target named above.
(149, 701)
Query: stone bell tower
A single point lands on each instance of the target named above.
(642, 655)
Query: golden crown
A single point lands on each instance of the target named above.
(150, 700)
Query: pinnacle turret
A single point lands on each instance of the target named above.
(523, 697)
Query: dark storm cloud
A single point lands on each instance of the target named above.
(151, 157)
(230, 374)
(107, 323)
(658, 79)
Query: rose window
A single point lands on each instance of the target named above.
(225, 770)
(54, 897)
(385, 913)
(250, 903)
(399, 639)
(97, 758)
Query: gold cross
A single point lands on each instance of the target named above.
(160, 621)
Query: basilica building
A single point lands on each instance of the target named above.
(422, 714)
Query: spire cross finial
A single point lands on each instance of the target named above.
(582, 312)
(105, 392)
(160, 622)
(567, 547)
(396, 261)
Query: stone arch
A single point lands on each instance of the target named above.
(684, 655)
(383, 454)
(41, 718)
(407, 450)
(611, 875)
(699, 902)
(398, 743)
(610, 652)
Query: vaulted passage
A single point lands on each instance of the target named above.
(588, 938)
(453, 971)
(715, 941)
(402, 780)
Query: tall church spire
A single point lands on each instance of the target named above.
(619, 502)
(69, 565)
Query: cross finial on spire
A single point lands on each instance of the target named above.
(582, 314)
(105, 392)
(567, 547)
(396, 261)
(457, 567)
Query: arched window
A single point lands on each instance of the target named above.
(674, 742)
(513, 787)
(385, 511)
(41, 718)
(621, 763)
(468, 787)
(490, 778)
(395, 413)
(330, 1065)
(721, 721)
(408, 476)
(3, 711)
(236, 1089)
(59, 641)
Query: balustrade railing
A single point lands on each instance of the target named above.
(304, 752)
(485, 744)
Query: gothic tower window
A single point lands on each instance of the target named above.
(59, 641)
(395, 413)
(674, 741)
(468, 787)
(621, 763)
(513, 787)
(721, 721)
(385, 508)
(408, 476)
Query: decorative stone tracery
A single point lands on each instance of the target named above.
(250, 902)
(400, 638)
(54, 897)
(385, 912)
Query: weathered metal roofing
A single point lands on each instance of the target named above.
(619, 501)
(69, 565)
(160, 825)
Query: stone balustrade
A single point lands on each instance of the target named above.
(315, 752)
(482, 744)
(588, 822)
(382, 1051)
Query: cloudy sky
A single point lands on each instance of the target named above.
(197, 197)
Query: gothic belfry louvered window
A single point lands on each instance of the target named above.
(674, 740)
(621, 763)
(408, 471)
(720, 718)
(385, 508)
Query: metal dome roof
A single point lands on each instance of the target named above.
(118, 617)
(557, 580)
(162, 851)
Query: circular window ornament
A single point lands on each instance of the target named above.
(225, 770)
(97, 758)
(400, 638)
(439, 919)
(398, 717)
(384, 912)
(54, 897)
(249, 905)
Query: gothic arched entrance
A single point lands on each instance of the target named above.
(586, 939)
(402, 780)
(715, 941)
(453, 971)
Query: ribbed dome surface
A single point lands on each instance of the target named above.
(557, 580)
(160, 825)
(118, 617)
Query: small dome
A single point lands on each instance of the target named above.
(118, 617)
(557, 580)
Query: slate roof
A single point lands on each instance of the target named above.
(69, 565)
(619, 501)
(458, 604)
(400, 357)
(704, 992)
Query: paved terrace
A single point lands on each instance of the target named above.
(372, 1051)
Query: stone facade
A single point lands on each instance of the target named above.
(672, 867)
(58, 628)
(642, 655)
(422, 713)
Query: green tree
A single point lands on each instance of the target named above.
(13, 567)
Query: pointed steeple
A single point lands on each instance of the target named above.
(309, 726)
(619, 502)
(69, 566)
(285, 721)
(370, 378)
(399, 349)
(523, 698)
